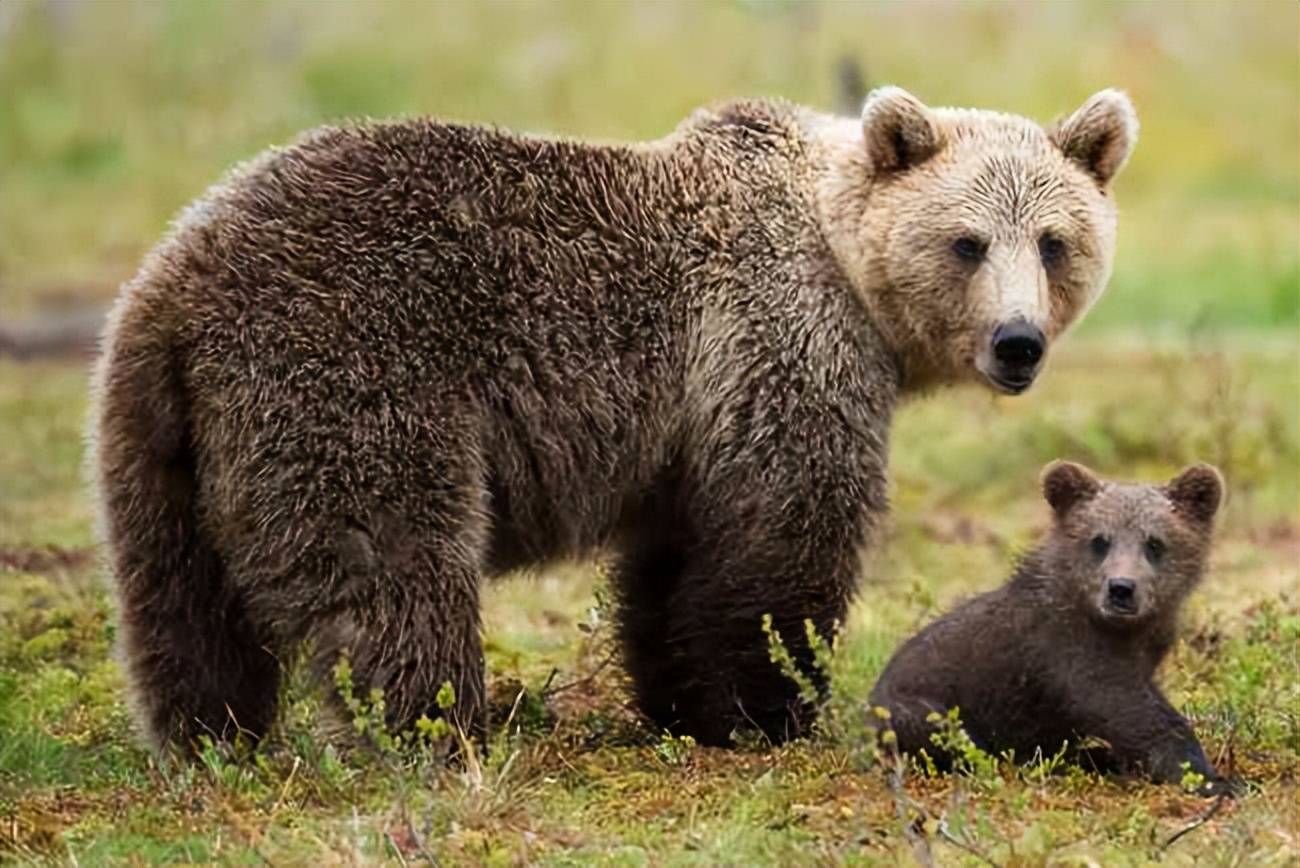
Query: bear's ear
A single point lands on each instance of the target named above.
(1099, 136)
(899, 131)
(1197, 492)
(1066, 484)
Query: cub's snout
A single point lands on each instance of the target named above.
(1121, 596)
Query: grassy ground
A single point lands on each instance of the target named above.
(574, 778)
(112, 115)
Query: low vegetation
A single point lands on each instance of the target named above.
(573, 776)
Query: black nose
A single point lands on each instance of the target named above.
(1120, 593)
(1018, 344)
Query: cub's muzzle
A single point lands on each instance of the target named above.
(1121, 596)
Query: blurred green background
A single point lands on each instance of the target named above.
(114, 114)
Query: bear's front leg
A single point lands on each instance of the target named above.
(775, 488)
(724, 677)
(1180, 751)
(1146, 735)
(693, 609)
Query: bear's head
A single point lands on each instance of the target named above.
(1128, 554)
(976, 238)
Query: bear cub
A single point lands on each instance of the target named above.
(1066, 651)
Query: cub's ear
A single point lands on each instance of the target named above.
(1066, 484)
(1197, 492)
(1099, 136)
(899, 131)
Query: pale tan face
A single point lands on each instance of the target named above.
(983, 237)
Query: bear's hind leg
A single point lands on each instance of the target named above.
(197, 665)
(409, 628)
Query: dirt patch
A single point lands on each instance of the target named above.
(44, 559)
(67, 333)
(953, 529)
(1281, 537)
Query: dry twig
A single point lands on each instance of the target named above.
(1198, 822)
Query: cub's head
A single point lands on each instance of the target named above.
(977, 238)
(1129, 554)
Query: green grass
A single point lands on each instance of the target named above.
(577, 779)
(114, 115)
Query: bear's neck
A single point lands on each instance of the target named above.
(843, 185)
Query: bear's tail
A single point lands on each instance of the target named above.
(192, 658)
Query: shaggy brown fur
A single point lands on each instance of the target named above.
(371, 369)
(1068, 649)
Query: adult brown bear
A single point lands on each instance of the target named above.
(370, 369)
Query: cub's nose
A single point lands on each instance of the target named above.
(1120, 594)
(1018, 345)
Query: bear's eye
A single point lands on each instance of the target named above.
(970, 249)
(1099, 545)
(1155, 549)
(1051, 249)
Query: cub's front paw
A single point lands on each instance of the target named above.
(1233, 788)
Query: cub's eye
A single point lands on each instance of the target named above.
(970, 249)
(1155, 549)
(1051, 249)
(1099, 545)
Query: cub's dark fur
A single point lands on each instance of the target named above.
(1068, 649)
